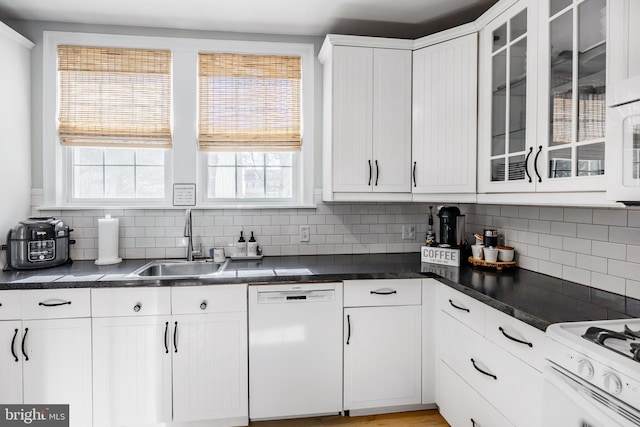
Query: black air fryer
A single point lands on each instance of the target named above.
(448, 225)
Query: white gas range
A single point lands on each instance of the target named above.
(592, 375)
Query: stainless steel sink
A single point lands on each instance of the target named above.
(175, 269)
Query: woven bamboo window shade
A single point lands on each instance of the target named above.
(114, 97)
(249, 102)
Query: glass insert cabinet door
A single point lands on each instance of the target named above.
(574, 32)
(509, 152)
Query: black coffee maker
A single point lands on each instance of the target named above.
(449, 217)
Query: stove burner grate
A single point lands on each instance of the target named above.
(600, 336)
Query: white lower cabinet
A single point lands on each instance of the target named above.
(508, 385)
(383, 345)
(461, 405)
(181, 356)
(210, 367)
(45, 359)
(131, 370)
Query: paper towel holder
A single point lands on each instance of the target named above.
(108, 235)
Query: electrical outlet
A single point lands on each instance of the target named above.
(408, 232)
(305, 235)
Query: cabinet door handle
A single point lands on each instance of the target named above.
(166, 337)
(483, 371)
(54, 304)
(24, 338)
(473, 423)
(377, 172)
(526, 164)
(175, 338)
(414, 174)
(137, 307)
(535, 163)
(458, 307)
(203, 305)
(348, 328)
(370, 172)
(384, 292)
(514, 338)
(13, 345)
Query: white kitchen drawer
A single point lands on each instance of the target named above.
(461, 405)
(462, 307)
(504, 330)
(109, 302)
(10, 305)
(511, 385)
(380, 292)
(55, 303)
(208, 299)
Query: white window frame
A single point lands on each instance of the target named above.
(184, 163)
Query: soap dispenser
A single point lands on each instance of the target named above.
(241, 247)
(252, 246)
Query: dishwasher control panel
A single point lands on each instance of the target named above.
(270, 297)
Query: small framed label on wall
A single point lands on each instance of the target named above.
(184, 194)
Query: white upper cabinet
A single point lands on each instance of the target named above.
(507, 121)
(543, 88)
(367, 119)
(445, 120)
(572, 90)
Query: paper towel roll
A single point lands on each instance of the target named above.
(108, 241)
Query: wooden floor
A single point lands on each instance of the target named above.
(418, 418)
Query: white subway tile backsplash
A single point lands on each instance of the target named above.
(509, 211)
(576, 245)
(540, 226)
(591, 263)
(529, 212)
(610, 217)
(624, 235)
(562, 257)
(593, 232)
(550, 241)
(552, 214)
(609, 250)
(564, 228)
(628, 270)
(634, 219)
(632, 289)
(608, 283)
(577, 275)
(550, 268)
(578, 215)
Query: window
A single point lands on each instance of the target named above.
(248, 156)
(249, 123)
(114, 116)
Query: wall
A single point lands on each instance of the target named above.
(340, 228)
(34, 31)
(15, 164)
(594, 247)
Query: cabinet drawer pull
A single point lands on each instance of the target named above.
(458, 307)
(203, 305)
(526, 164)
(24, 338)
(54, 304)
(166, 337)
(175, 338)
(377, 172)
(535, 163)
(137, 307)
(483, 371)
(514, 338)
(13, 345)
(414, 174)
(384, 292)
(348, 328)
(370, 172)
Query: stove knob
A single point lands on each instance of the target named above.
(585, 369)
(612, 383)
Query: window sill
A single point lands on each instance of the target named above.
(171, 207)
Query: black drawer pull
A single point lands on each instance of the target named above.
(166, 337)
(175, 338)
(54, 304)
(24, 338)
(348, 328)
(384, 292)
(515, 339)
(458, 307)
(482, 371)
(13, 345)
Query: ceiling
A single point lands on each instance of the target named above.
(382, 18)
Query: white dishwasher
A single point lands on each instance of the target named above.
(295, 350)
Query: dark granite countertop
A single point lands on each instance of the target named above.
(534, 298)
